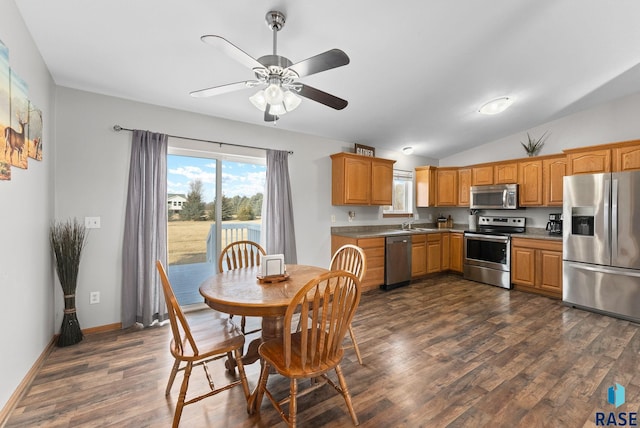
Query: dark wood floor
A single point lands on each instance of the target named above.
(441, 352)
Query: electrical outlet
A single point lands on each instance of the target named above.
(333, 218)
(92, 222)
(94, 297)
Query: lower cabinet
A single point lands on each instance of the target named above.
(536, 266)
(457, 252)
(430, 253)
(418, 255)
(445, 242)
(434, 252)
(374, 253)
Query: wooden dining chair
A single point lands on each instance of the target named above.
(326, 305)
(352, 259)
(215, 339)
(238, 255)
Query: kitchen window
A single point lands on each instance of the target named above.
(402, 195)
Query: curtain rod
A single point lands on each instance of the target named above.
(119, 128)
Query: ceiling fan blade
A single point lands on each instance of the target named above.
(321, 62)
(322, 97)
(232, 51)
(223, 89)
(269, 117)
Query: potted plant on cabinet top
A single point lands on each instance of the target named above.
(67, 240)
(533, 145)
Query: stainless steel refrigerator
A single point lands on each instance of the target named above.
(601, 243)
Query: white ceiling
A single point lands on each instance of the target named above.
(419, 69)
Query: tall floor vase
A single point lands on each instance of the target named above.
(67, 240)
(70, 332)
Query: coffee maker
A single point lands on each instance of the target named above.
(554, 226)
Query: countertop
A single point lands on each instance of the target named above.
(358, 232)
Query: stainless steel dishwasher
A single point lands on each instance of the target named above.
(397, 261)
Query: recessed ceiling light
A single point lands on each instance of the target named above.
(407, 150)
(496, 106)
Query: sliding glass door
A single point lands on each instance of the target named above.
(201, 223)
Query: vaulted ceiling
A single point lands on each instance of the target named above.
(418, 69)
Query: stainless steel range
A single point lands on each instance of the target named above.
(487, 250)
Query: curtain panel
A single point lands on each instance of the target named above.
(145, 230)
(277, 219)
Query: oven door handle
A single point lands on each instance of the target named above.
(490, 238)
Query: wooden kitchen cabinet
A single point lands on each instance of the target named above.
(374, 253)
(434, 252)
(505, 173)
(553, 171)
(361, 180)
(426, 186)
(581, 161)
(445, 258)
(482, 175)
(464, 184)
(627, 158)
(530, 184)
(381, 181)
(536, 266)
(446, 187)
(418, 255)
(456, 252)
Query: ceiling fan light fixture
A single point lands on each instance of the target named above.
(407, 150)
(496, 106)
(259, 100)
(291, 100)
(273, 94)
(277, 109)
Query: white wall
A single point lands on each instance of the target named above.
(608, 123)
(26, 276)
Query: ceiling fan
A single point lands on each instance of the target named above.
(278, 74)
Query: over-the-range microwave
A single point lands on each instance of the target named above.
(496, 197)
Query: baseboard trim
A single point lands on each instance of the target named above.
(25, 384)
(103, 328)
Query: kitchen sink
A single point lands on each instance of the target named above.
(397, 232)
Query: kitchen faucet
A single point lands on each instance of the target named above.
(406, 225)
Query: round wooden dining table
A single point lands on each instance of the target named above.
(240, 292)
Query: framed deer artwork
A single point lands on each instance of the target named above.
(20, 120)
(5, 110)
(34, 141)
(16, 135)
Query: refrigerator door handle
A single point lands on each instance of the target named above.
(603, 269)
(607, 224)
(614, 219)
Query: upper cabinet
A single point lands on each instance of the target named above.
(381, 181)
(426, 186)
(505, 173)
(539, 178)
(447, 187)
(553, 171)
(585, 161)
(361, 180)
(481, 175)
(530, 185)
(627, 158)
(464, 184)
